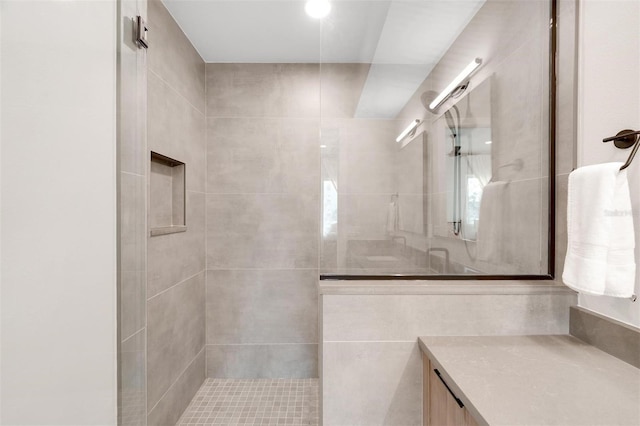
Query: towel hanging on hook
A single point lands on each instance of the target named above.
(623, 140)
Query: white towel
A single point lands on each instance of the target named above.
(394, 222)
(600, 258)
(491, 234)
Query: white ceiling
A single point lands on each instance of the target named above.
(402, 39)
(371, 31)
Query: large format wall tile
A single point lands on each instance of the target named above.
(172, 57)
(262, 361)
(367, 150)
(272, 231)
(132, 406)
(169, 409)
(177, 129)
(263, 90)
(342, 86)
(133, 244)
(404, 317)
(262, 155)
(175, 334)
(372, 383)
(262, 306)
(176, 257)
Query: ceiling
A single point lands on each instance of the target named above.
(278, 31)
(403, 40)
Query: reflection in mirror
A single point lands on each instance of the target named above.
(468, 131)
(465, 189)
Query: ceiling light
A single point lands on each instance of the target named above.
(317, 9)
(488, 143)
(410, 128)
(461, 78)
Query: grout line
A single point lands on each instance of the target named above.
(196, 192)
(372, 341)
(134, 334)
(175, 285)
(276, 117)
(206, 215)
(270, 193)
(132, 174)
(258, 344)
(166, 83)
(177, 380)
(261, 269)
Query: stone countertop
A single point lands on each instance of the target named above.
(537, 380)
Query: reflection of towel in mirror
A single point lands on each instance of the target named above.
(600, 253)
(491, 221)
(394, 222)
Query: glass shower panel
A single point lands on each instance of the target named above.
(465, 190)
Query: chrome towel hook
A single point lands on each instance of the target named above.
(626, 139)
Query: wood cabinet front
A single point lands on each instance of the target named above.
(440, 406)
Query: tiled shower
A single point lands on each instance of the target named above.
(234, 295)
(252, 215)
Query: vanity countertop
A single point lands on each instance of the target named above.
(537, 380)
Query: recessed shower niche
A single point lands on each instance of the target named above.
(167, 195)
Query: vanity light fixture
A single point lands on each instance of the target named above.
(456, 83)
(317, 9)
(410, 129)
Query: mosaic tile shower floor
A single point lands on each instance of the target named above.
(254, 402)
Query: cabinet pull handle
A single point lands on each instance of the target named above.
(460, 404)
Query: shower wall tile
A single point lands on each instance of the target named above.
(133, 93)
(172, 57)
(177, 129)
(132, 211)
(268, 231)
(287, 361)
(263, 170)
(175, 334)
(179, 395)
(341, 88)
(132, 401)
(262, 155)
(366, 149)
(363, 216)
(133, 238)
(262, 306)
(172, 258)
(263, 90)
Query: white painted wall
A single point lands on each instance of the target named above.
(58, 217)
(609, 101)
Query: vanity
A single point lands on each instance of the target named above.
(526, 380)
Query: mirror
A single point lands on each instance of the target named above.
(459, 188)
